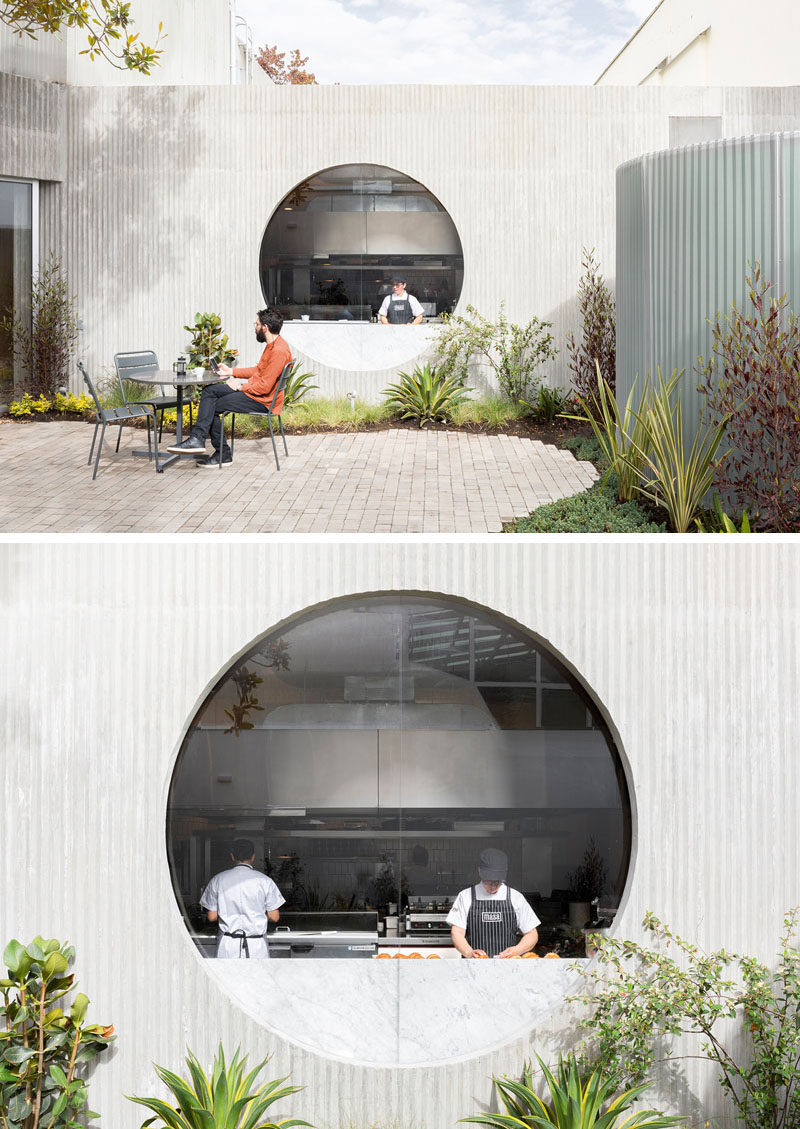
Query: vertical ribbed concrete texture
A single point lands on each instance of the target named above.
(692, 650)
(166, 191)
(691, 224)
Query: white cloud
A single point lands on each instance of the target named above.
(457, 41)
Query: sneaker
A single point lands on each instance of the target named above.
(192, 445)
(213, 460)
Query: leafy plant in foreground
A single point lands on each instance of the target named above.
(621, 435)
(426, 395)
(44, 1047)
(225, 1099)
(753, 379)
(679, 482)
(513, 352)
(576, 1102)
(640, 998)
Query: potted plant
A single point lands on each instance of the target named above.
(586, 882)
(208, 342)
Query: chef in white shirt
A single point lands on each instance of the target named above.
(242, 901)
(491, 919)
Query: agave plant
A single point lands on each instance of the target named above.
(576, 1102)
(227, 1099)
(299, 385)
(426, 395)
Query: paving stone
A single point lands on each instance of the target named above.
(398, 481)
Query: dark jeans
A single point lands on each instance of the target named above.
(220, 398)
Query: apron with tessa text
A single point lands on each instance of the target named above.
(491, 925)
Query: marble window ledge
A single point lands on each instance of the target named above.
(398, 1013)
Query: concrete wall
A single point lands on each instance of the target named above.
(196, 49)
(168, 192)
(692, 649)
(710, 43)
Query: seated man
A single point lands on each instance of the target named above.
(245, 390)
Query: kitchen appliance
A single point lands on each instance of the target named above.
(426, 917)
(332, 935)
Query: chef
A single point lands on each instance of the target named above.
(491, 919)
(242, 901)
(399, 307)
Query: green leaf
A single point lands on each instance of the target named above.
(18, 1054)
(55, 964)
(77, 1012)
(35, 951)
(58, 1074)
(12, 955)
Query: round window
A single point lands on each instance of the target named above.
(370, 751)
(334, 245)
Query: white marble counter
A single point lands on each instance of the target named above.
(358, 346)
(398, 1012)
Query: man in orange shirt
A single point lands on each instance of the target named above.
(245, 390)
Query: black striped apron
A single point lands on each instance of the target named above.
(399, 311)
(491, 926)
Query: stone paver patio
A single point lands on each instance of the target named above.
(398, 481)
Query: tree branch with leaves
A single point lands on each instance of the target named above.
(108, 25)
(273, 61)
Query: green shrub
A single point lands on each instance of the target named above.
(299, 385)
(225, 1099)
(46, 1043)
(679, 481)
(621, 435)
(577, 1101)
(513, 352)
(426, 395)
(208, 342)
(550, 403)
(716, 520)
(642, 997)
(28, 406)
(596, 510)
(587, 449)
(44, 345)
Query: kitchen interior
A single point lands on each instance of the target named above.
(334, 243)
(371, 752)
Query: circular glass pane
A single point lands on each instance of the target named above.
(371, 749)
(336, 241)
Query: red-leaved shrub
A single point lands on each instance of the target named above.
(754, 376)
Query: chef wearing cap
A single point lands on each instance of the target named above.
(491, 919)
(399, 307)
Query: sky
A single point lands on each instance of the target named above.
(449, 41)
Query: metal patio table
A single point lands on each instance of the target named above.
(179, 383)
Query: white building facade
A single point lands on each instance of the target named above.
(709, 43)
(692, 660)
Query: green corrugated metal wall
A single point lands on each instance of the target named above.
(688, 222)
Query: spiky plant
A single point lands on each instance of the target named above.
(576, 1102)
(426, 395)
(225, 1099)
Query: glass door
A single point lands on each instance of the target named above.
(19, 254)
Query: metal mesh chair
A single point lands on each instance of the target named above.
(283, 380)
(128, 366)
(105, 416)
